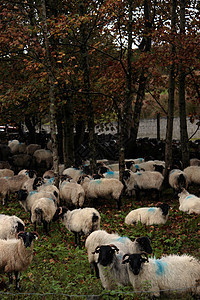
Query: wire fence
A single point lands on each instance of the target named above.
(171, 294)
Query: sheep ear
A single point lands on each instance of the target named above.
(124, 261)
(97, 250)
(36, 235)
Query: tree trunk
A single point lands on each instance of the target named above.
(68, 134)
(52, 100)
(86, 84)
(171, 91)
(182, 105)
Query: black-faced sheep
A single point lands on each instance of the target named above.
(193, 173)
(42, 212)
(74, 173)
(17, 254)
(71, 192)
(101, 237)
(11, 185)
(10, 226)
(147, 180)
(173, 272)
(103, 188)
(178, 179)
(149, 215)
(79, 221)
(43, 156)
(189, 203)
(31, 148)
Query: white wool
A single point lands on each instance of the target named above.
(146, 215)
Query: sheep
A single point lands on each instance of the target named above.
(21, 161)
(194, 162)
(193, 173)
(71, 193)
(48, 174)
(43, 156)
(101, 237)
(103, 188)
(10, 226)
(189, 203)
(112, 272)
(17, 254)
(31, 148)
(42, 211)
(149, 215)
(5, 165)
(79, 221)
(172, 272)
(151, 165)
(6, 173)
(13, 145)
(148, 180)
(73, 173)
(11, 185)
(27, 199)
(178, 179)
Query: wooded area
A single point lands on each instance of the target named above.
(83, 63)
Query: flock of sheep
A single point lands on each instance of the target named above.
(116, 260)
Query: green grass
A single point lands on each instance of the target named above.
(58, 267)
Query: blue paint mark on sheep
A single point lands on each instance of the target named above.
(137, 167)
(139, 174)
(109, 174)
(140, 159)
(97, 181)
(190, 196)
(151, 209)
(33, 192)
(122, 239)
(160, 267)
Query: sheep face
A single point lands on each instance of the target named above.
(27, 237)
(126, 175)
(135, 262)
(144, 244)
(38, 182)
(165, 208)
(22, 195)
(106, 254)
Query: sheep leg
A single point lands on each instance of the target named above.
(10, 276)
(119, 203)
(34, 226)
(17, 280)
(75, 238)
(96, 270)
(137, 194)
(45, 226)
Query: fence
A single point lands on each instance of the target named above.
(170, 294)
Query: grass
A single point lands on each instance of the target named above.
(60, 268)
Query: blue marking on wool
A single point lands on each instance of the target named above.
(152, 209)
(109, 174)
(138, 173)
(97, 181)
(121, 239)
(82, 172)
(50, 181)
(33, 192)
(137, 167)
(140, 159)
(160, 267)
(190, 196)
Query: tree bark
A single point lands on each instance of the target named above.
(171, 91)
(182, 105)
(52, 100)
